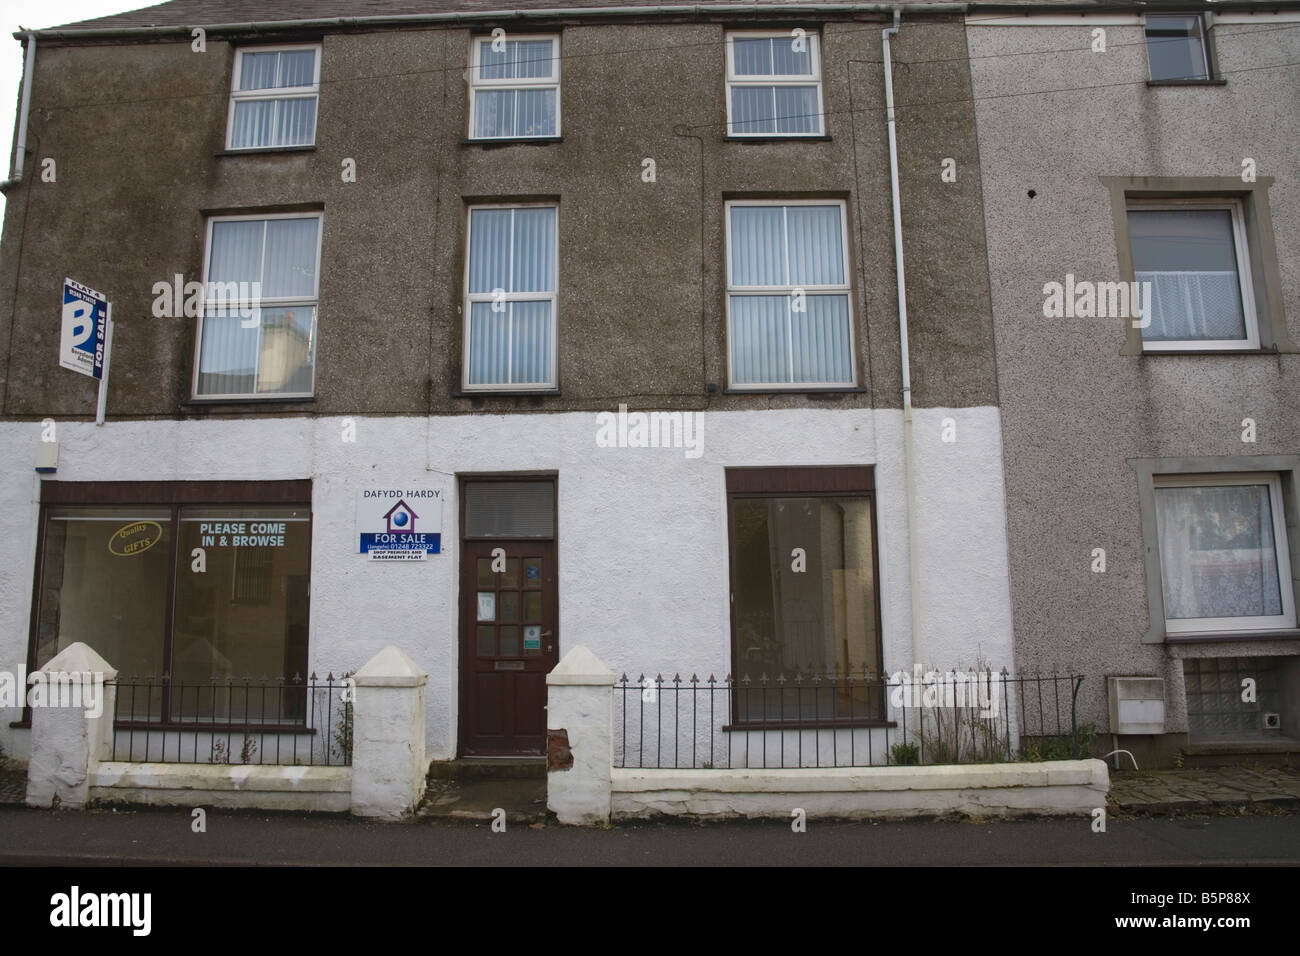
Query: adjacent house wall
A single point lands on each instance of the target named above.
(1075, 407)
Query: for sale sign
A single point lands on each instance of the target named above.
(85, 329)
(399, 523)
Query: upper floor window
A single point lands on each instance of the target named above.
(1195, 256)
(510, 283)
(273, 97)
(1176, 47)
(514, 88)
(789, 317)
(773, 85)
(1223, 553)
(257, 334)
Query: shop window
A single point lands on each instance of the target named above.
(804, 593)
(239, 575)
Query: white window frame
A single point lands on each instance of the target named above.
(1245, 273)
(278, 93)
(1281, 547)
(1205, 44)
(258, 304)
(552, 384)
(750, 80)
(477, 82)
(788, 290)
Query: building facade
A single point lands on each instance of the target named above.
(493, 335)
(495, 255)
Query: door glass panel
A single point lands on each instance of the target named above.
(487, 606)
(510, 579)
(532, 572)
(485, 642)
(533, 639)
(532, 605)
(486, 578)
(509, 640)
(509, 605)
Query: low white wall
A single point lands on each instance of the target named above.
(1065, 787)
(326, 789)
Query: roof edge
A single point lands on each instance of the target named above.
(1024, 7)
(477, 16)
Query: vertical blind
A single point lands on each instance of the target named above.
(262, 120)
(778, 108)
(512, 262)
(773, 340)
(503, 110)
(270, 350)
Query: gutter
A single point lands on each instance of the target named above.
(24, 110)
(909, 447)
(416, 19)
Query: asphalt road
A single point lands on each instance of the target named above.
(164, 837)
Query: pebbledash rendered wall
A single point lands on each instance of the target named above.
(1075, 410)
(643, 549)
(642, 531)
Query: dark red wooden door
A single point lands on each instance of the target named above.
(509, 642)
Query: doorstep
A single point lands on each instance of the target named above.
(473, 788)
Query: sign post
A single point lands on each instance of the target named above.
(86, 344)
(103, 380)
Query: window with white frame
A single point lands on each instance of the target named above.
(257, 334)
(511, 274)
(774, 84)
(1224, 562)
(1176, 47)
(789, 319)
(273, 97)
(1195, 256)
(514, 89)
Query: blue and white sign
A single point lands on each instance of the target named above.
(85, 329)
(399, 523)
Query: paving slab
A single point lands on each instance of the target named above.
(1155, 790)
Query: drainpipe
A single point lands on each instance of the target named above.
(909, 448)
(20, 151)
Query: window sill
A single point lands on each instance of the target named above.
(262, 150)
(1192, 637)
(1146, 353)
(788, 138)
(1220, 82)
(522, 393)
(514, 141)
(219, 728)
(861, 723)
(831, 390)
(271, 404)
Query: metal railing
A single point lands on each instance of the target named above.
(251, 721)
(846, 720)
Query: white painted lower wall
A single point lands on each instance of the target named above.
(1066, 787)
(325, 789)
(643, 544)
